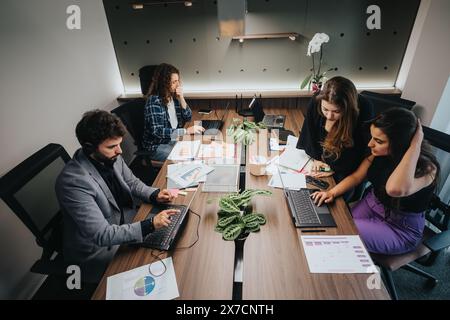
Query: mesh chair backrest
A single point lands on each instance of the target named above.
(145, 77)
(440, 141)
(29, 190)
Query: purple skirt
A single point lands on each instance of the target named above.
(401, 232)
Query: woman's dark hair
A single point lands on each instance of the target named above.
(161, 80)
(400, 125)
(341, 92)
(98, 125)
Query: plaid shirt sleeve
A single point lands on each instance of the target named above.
(155, 117)
(186, 114)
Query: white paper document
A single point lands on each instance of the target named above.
(292, 157)
(184, 150)
(337, 254)
(140, 284)
(292, 181)
(188, 175)
(274, 145)
(291, 141)
(171, 168)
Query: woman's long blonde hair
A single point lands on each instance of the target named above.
(341, 92)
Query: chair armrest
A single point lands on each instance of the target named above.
(50, 267)
(439, 241)
(154, 163)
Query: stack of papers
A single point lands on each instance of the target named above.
(292, 181)
(140, 284)
(183, 175)
(337, 254)
(184, 150)
(292, 157)
(216, 150)
(272, 165)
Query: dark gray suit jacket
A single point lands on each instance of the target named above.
(92, 232)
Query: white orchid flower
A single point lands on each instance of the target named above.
(322, 37)
(313, 48)
(316, 43)
(316, 77)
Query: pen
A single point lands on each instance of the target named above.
(318, 230)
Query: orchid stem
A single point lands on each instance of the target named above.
(320, 63)
(314, 70)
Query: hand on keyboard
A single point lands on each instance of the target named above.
(195, 130)
(162, 219)
(320, 197)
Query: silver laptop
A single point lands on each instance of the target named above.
(271, 121)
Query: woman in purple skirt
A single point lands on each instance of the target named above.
(403, 174)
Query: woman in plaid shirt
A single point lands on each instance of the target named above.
(166, 112)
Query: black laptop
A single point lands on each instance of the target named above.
(213, 126)
(166, 238)
(305, 213)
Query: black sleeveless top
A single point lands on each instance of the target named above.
(379, 173)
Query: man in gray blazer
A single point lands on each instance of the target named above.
(98, 195)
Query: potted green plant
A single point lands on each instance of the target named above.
(244, 131)
(236, 218)
(316, 78)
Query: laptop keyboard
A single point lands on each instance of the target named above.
(211, 124)
(303, 207)
(160, 239)
(272, 120)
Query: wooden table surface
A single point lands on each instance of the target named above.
(275, 265)
(204, 271)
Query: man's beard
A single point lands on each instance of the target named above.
(109, 162)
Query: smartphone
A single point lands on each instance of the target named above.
(316, 182)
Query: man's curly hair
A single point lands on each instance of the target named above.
(160, 85)
(97, 126)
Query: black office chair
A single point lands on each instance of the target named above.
(146, 76)
(436, 235)
(132, 115)
(29, 190)
(382, 102)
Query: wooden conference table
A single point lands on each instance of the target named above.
(274, 263)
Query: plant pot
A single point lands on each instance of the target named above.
(247, 209)
(242, 237)
(316, 86)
